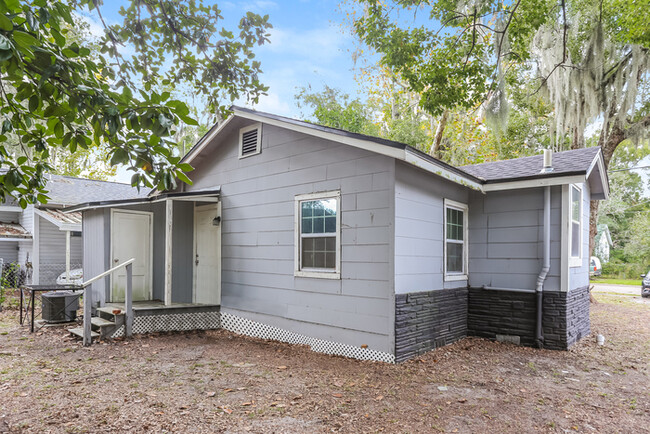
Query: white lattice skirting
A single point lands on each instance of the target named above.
(255, 329)
(173, 322)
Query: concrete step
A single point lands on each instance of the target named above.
(79, 331)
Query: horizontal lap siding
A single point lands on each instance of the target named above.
(258, 235)
(8, 251)
(52, 252)
(506, 238)
(419, 217)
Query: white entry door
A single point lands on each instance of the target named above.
(131, 237)
(207, 254)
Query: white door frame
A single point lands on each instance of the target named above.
(125, 211)
(217, 207)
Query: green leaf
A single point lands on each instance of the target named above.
(21, 160)
(34, 102)
(120, 156)
(58, 130)
(186, 167)
(6, 126)
(58, 38)
(188, 120)
(25, 40)
(183, 177)
(5, 23)
(5, 44)
(5, 55)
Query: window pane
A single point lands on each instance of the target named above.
(321, 213)
(319, 225)
(575, 239)
(454, 224)
(306, 226)
(307, 252)
(330, 260)
(575, 204)
(330, 224)
(319, 252)
(454, 258)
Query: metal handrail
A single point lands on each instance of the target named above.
(128, 300)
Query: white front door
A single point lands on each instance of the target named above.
(207, 254)
(131, 237)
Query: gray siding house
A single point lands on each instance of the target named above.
(42, 240)
(354, 245)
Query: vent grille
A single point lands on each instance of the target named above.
(249, 142)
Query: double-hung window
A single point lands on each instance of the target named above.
(575, 228)
(455, 241)
(318, 234)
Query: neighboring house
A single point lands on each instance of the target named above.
(355, 245)
(603, 243)
(41, 239)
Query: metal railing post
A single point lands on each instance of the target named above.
(88, 305)
(128, 301)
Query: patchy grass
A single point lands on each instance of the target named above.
(632, 282)
(217, 381)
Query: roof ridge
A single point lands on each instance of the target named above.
(78, 178)
(532, 156)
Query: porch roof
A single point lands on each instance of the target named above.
(64, 221)
(13, 232)
(195, 195)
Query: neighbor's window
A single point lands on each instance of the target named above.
(318, 234)
(576, 220)
(455, 240)
(250, 142)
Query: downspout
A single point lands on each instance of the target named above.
(539, 339)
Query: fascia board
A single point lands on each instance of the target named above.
(531, 183)
(357, 143)
(440, 170)
(196, 151)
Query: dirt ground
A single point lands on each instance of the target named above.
(220, 382)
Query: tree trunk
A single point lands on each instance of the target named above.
(437, 138)
(608, 144)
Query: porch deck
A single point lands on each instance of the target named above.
(154, 316)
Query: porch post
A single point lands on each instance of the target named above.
(169, 216)
(67, 257)
(128, 302)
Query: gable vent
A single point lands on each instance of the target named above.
(249, 141)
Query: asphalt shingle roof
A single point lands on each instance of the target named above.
(66, 190)
(564, 163)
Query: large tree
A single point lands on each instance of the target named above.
(590, 60)
(56, 93)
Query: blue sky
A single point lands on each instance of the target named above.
(308, 46)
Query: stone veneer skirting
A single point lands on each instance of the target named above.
(431, 319)
(427, 320)
(565, 317)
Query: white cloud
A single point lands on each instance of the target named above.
(260, 6)
(319, 44)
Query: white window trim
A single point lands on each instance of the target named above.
(317, 273)
(451, 277)
(575, 261)
(258, 127)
